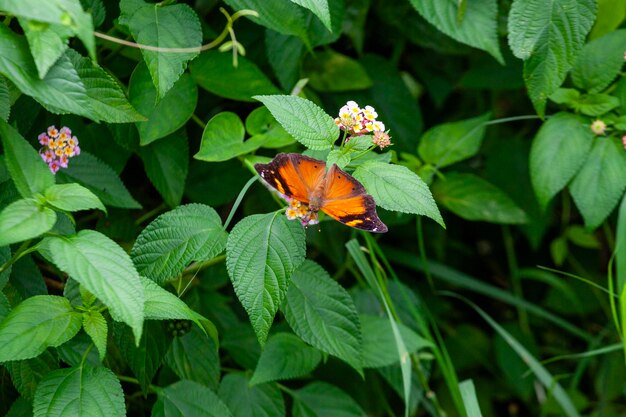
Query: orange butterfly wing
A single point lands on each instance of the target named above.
(293, 175)
(346, 200)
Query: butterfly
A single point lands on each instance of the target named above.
(308, 187)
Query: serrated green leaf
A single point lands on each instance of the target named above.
(565, 96)
(47, 41)
(187, 398)
(167, 115)
(319, 9)
(549, 39)
(173, 240)
(104, 269)
(79, 391)
(5, 99)
(327, 69)
(104, 94)
(23, 220)
(262, 252)
(285, 356)
(339, 157)
(145, 358)
(397, 188)
(303, 119)
(166, 162)
(320, 399)
(35, 324)
(92, 173)
(194, 356)
(601, 181)
(96, 327)
(72, 197)
(222, 139)
(96, 9)
(448, 143)
(323, 314)
(477, 28)
(595, 104)
(27, 374)
(28, 171)
(599, 62)
(558, 151)
(245, 400)
(379, 345)
(163, 26)
(473, 198)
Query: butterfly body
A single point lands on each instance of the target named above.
(308, 187)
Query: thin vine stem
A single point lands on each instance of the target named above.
(242, 193)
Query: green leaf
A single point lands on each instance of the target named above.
(186, 399)
(104, 269)
(27, 374)
(5, 99)
(601, 181)
(28, 171)
(475, 199)
(72, 197)
(319, 9)
(172, 241)
(92, 173)
(595, 104)
(599, 62)
(284, 54)
(477, 28)
(5, 256)
(448, 143)
(323, 314)
(320, 399)
(379, 345)
(79, 391)
(549, 39)
(608, 18)
(47, 41)
(327, 69)
(104, 94)
(21, 407)
(167, 115)
(95, 326)
(23, 220)
(214, 71)
(163, 26)
(251, 401)
(558, 151)
(339, 157)
(35, 324)
(470, 400)
(260, 122)
(566, 96)
(145, 358)
(222, 139)
(303, 119)
(194, 357)
(166, 162)
(285, 356)
(397, 188)
(262, 252)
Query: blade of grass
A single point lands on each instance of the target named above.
(468, 392)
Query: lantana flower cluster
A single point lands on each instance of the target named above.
(357, 121)
(58, 146)
(298, 210)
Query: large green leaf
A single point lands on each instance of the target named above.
(189, 399)
(26, 374)
(558, 151)
(600, 183)
(79, 391)
(72, 197)
(473, 198)
(5, 99)
(285, 356)
(608, 18)
(319, 9)
(222, 139)
(92, 173)
(448, 143)
(35, 324)
(284, 54)
(104, 269)
(47, 41)
(323, 314)
(327, 70)
(28, 171)
(548, 36)
(397, 188)
(599, 62)
(303, 119)
(245, 400)
(320, 399)
(260, 122)
(167, 115)
(477, 26)
(166, 162)
(96, 327)
(163, 26)
(214, 71)
(193, 232)
(23, 220)
(262, 252)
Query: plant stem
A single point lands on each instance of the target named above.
(151, 213)
(509, 247)
(21, 251)
(422, 249)
(198, 121)
(199, 266)
(238, 200)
